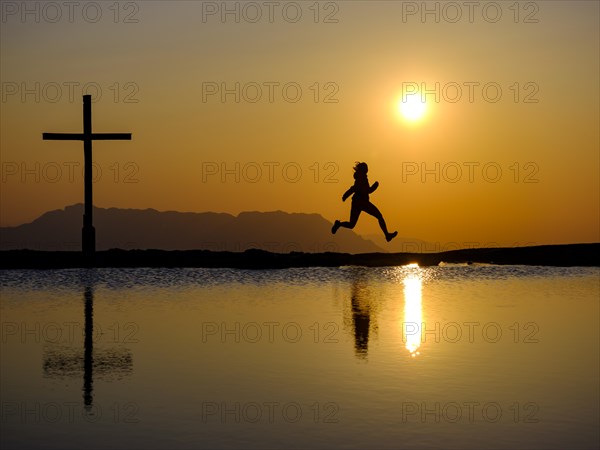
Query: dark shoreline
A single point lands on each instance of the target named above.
(544, 255)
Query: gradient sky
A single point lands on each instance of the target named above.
(547, 150)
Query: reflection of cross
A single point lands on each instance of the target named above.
(104, 363)
(88, 234)
(88, 347)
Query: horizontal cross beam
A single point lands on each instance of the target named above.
(83, 137)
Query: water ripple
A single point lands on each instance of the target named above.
(127, 278)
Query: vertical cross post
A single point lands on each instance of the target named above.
(88, 233)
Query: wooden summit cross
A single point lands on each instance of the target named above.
(88, 234)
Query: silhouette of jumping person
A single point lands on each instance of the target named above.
(360, 201)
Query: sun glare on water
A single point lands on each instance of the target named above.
(413, 309)
(412, 108)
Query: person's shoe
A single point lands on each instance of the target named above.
(335, 226)
(390, 236)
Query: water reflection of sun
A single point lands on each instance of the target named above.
(411, 326)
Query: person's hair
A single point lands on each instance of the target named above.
(361, 167)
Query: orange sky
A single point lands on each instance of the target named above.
(529, 162)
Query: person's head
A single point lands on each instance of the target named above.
(361, 167)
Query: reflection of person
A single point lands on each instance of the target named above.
(361, 320)
(360, 311)
(360, 201)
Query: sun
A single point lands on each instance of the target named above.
(412, 108)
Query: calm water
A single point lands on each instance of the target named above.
(405, 357)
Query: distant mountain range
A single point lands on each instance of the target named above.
(170, 230)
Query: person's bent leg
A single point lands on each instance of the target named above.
(374, 211)
(354, 214)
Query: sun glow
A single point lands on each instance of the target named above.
(412, 108)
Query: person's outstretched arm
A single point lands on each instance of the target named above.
(348, 193)
(375, 186)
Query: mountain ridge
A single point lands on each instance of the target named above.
(131, 228)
